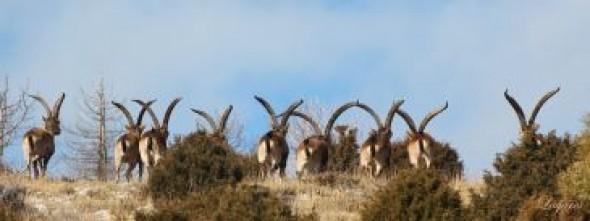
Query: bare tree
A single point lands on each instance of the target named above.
(96, 127)
(14, 112)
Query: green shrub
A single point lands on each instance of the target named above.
(524, 171)
(444, 158)
(574, 183)
(196, 163)
(224, 203)
(422, 194)
(344, 156)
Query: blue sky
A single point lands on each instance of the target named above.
(216, 53)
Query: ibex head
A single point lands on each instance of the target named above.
(219, 132)
(134, 129)
(51, 121)
(529, 129)
(278, 128)
(161, 130)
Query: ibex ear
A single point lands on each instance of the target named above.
(141, 127)
(44, 118)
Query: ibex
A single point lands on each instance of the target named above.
(219, 133)
(153, 143)
(272, 147)
(348, 134)
(376, 150)
(127, 145)
(312, 152)
(419, 142)
(38, 143)
(529, 129)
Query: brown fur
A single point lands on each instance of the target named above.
(375, 152)
(419, 141)
(153, 143)
(273, 151)
(127, 145)
(127, 151)
(38, 147)
(39, 143)
(312, 155)
(272, 147)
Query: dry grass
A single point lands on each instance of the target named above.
(332, 197)
(49, 199)
(466, 189)
(340, 197)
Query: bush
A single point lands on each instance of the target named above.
(574, 183)
(422, 194)
(224, 203)
(198, 179)
(12, 203)
(196, 163)
(445, 158)
(344, 156)
(524, 171)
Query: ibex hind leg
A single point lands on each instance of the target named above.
(261, 172)
(140, 172)
(129, 172)
(28, 168)
(426, 160)
(282, 173)
(44, 162)
(117, 170)
(35, 169)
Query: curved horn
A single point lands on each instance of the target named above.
(169, 112)
(372, 113)
(289, 111)
(224, 118)
(144, 107)
(269, 109)
(207, 117)
(517, 109)
(316, 127)
(155, 122)
(335, 115)
(431, 116)
(57, 105)
(540, 104)
(394, 107)
(125, 112)
(44, 103)
(409, 121)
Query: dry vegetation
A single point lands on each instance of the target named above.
(341, 197)
(332, 197)
(48, 199)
